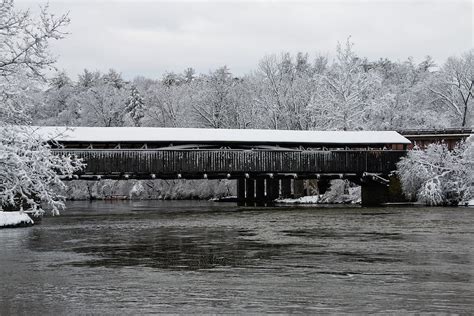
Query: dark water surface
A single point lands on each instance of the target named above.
(202, 257)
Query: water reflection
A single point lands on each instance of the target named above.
(168, 248)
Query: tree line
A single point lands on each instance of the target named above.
(294, 92)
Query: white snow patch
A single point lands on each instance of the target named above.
(223, 198)
(310, 199)
(14, 218)
(159, 134)
(470, 203)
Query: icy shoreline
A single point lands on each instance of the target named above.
(316, 199)
(15, 219)
(312, 199)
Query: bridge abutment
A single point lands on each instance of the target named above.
(373, 194)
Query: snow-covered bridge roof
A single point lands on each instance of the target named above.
(202, 135)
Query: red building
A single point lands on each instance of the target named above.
(424, 137)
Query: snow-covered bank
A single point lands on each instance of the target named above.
(340, 192)
(14, 219)
(311, 199)
(150, 189)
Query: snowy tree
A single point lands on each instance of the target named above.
(242, 112)
(24, 55)
(101, 105)
(166, 105)
(284, 89)
(89, 79)
(453, 88)
(114, 78)
(438, 176)
(404, 101)
(56, 107)
(172, 79)
(29, 173)
(189, 74)
(28, 169)
(212, 98)
(347, 91)
(135, 106)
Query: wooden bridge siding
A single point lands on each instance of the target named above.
(230, 161)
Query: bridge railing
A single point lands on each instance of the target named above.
(165, 162)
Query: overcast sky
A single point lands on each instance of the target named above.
(150, 38)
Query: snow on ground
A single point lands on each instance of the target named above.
(311, 199)
(9, 219)
(470, 203)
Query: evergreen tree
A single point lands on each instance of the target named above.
(135, 106)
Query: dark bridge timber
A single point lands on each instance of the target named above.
(225, 163)
(267, 165)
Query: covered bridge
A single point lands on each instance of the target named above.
(264, 161)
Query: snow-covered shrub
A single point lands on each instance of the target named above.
(341, 191)
(29, 171)
(438, 176)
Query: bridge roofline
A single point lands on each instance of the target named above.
(463, 132)
(63, 134)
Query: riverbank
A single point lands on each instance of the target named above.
(158, 189)
(15, 219)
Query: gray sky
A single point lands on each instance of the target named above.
(150, 38)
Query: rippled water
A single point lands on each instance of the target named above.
(200, 257)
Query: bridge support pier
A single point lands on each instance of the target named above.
(285, 188)
(260, 189)
(273, 189)
(298, 188)
(241, 190)
(250, 190)
(374, 194)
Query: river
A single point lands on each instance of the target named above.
(138, 257)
